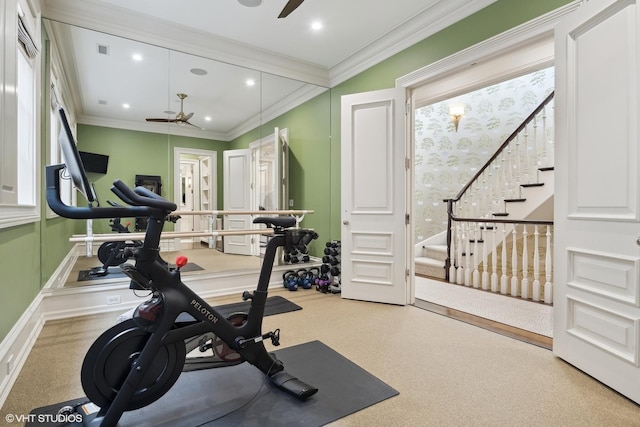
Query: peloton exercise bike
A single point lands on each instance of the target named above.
(137, 361)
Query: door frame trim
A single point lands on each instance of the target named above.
(523, 36)
(177, 151)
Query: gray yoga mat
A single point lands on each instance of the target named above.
(242, 395)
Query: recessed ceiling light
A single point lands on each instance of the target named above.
(250, 82)
(250, 3)
(125, 106)
(198, 71)
(208, 118)
(136, 57)
(316, 25)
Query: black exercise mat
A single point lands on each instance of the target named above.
(242, 395)
(115, 272)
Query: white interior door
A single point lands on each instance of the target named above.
(597, 212)
(373, 197)
(237, 197)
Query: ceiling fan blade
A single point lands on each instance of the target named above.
(159, 120)
(290, 7)
(187, 117)
(191, 124)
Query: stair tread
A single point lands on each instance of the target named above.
(429, 261)
(435, 247)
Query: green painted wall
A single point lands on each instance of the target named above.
(30, 253)
(134, 153)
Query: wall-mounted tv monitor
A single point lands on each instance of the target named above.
(96, 163)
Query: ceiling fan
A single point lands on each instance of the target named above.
(181, 117)
(290, 7)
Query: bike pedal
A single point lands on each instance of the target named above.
(203, 345)
(275, 337)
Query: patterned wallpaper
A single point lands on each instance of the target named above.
(445, 160)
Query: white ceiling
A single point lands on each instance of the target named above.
(349, 25)
(356, 34)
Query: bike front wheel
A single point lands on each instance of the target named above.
(111, 357)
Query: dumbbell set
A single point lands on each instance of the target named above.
(325, 278)
(329, 279)
(295, 256)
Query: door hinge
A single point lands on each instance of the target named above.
(406, 219)
(407, 108)
(407, 163)
(407, 272)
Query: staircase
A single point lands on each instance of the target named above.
(430, 257)
(509, 198)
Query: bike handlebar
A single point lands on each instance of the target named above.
(143, 204)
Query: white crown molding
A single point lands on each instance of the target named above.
(416, 29)
(508, 40)
(121, 22)
(298, 97)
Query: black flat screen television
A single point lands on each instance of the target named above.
(72, 159)
(96, 163)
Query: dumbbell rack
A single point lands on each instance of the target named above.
(329, 280)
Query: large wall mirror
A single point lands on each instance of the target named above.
(165, 119)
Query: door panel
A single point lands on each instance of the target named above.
(374, 232)
(237, 197)
(597, 221)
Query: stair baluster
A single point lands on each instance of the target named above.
(514, 263)
(548, 291)
(525, 263)
(536, 264)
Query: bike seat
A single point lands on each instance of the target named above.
(279, 221)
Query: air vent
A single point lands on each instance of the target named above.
(103, 49)
(102, 102)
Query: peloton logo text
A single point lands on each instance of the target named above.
(209, 315)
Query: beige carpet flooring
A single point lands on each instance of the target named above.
(526, 315)
(448, 373)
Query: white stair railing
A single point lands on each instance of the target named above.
(482, 207)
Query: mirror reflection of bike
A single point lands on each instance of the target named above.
(112, 254)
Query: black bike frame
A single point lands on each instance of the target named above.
(176, 298)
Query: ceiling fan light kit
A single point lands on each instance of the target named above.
(250, 3)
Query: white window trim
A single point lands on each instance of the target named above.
(14, 214)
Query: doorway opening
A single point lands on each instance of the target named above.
(195, 189)
(491, 95)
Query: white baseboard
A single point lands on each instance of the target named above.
(16, 346)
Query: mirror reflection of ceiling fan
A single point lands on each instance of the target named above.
(181, 117)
